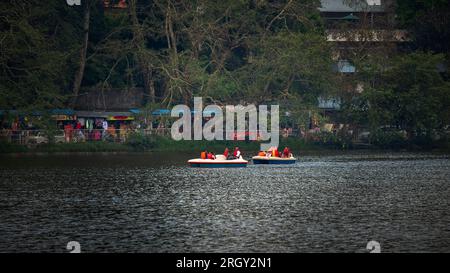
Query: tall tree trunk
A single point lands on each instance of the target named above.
(172, 46)
(83, 52)
(142, 59)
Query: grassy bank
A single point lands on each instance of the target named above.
(66, 147)
(139, 143)
(158, 144)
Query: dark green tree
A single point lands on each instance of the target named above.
(407, 93)
(37, 43)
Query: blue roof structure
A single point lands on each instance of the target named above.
(67, 112)
(135, 111)
(161, 112)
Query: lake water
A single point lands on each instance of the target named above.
(156, 203)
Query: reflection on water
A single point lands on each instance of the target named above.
(144, 203)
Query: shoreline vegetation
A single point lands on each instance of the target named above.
(139, 144)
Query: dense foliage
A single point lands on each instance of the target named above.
(224, 50)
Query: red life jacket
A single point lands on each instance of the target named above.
(277, 153)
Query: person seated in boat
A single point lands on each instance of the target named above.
(226, 153)
(204, 154)
(275, 152)
(286, 152)
(236, 153)
(211, 156)
(262, 153)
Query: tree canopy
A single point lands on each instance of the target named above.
(249, 50)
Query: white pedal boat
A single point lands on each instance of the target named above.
(219, 162)
(273, 160)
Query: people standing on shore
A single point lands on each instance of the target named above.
(68, 131)
(78, 133)
(97, 135)
(105, 128)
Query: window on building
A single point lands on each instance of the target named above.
(344, 66)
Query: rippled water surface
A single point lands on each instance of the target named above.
(155, 203)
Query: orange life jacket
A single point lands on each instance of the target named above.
(203, 155)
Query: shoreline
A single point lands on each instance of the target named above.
(105, 148)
